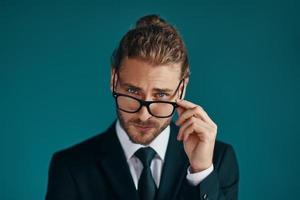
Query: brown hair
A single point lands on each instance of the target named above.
(155, 41)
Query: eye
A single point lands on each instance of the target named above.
(132, 90)
(162, 95)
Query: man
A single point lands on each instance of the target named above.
(143, 155)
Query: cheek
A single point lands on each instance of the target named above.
(162, 121)
(126, 117)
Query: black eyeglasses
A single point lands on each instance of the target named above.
(160, 109)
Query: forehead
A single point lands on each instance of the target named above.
(143, 74)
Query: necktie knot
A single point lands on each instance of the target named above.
(145, 155)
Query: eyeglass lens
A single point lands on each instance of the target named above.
(159, 109)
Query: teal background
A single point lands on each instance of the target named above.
(54, 83)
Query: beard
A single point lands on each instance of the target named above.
(142, 137)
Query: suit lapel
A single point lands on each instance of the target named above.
(113, 161)
(174, 169)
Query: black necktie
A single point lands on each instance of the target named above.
(146, 185)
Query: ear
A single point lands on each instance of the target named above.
(112, 76)
(186, 81)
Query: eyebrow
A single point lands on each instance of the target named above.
(163, 90)
(131, 86)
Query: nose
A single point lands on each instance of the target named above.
(143, 114)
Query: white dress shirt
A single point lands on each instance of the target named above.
(159, 145)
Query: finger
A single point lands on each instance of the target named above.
(189, 105)
(180, 110)
(193, 112)
(197, 129)
(188, 131)
(184, 126)
(186, 104)
(198, 125)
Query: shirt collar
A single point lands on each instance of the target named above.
(159, 144)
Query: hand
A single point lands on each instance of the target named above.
(198, 133)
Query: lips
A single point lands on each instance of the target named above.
(143, 128)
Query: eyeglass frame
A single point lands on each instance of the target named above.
(146, 103)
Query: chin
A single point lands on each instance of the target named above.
(142, 138)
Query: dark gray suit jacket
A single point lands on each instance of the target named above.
(96, 169)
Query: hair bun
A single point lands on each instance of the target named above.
(150, 20)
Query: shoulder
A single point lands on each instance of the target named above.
(85, 150)
(221, 146)
(222, 150)
(225, 161)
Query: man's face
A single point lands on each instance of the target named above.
(144, 81)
